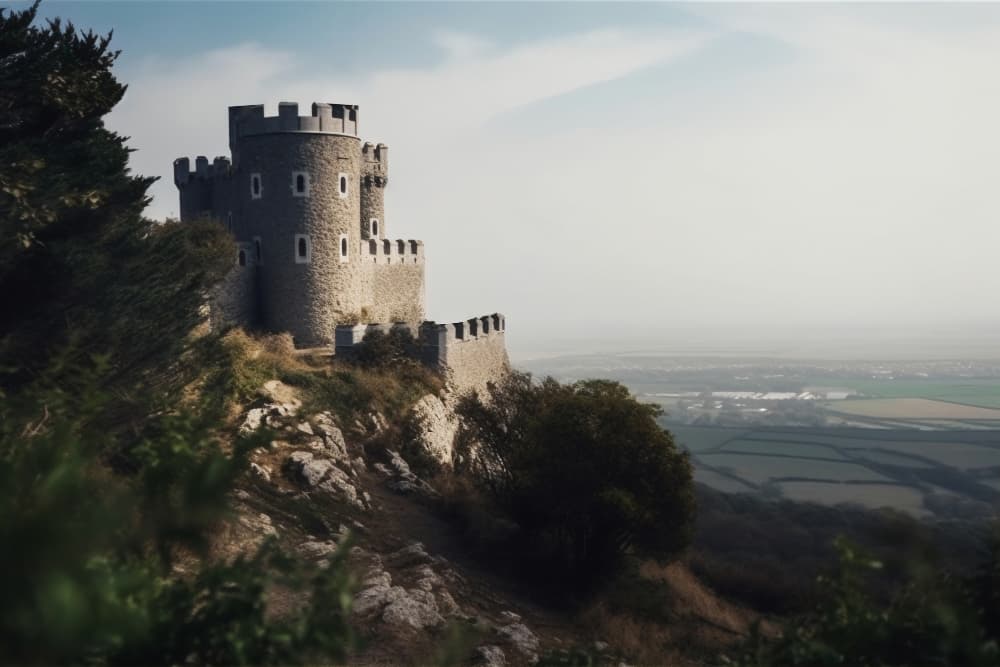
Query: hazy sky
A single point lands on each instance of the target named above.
(626, 169)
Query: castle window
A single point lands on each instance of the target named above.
(343, 248)
(255, 187)
(373, 224)
(300, 184)
(256, 248)
(342, 180)
(303, 249)
(242, 258)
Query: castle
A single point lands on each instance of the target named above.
(304, 199)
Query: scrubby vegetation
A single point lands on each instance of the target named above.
(582, 473)
(933, 618)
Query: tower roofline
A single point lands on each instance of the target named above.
(326, 118)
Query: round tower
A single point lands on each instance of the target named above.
(297, 186)
(374, 178)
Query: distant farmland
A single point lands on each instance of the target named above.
(911, 408)
(944, 473)
(977, 392)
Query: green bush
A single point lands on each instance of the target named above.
(932, 618)
(381, 350)
(584, 470)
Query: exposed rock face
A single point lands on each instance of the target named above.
(437, 426)
(401, 478)
(323, 474)
(421, 605)
(406, 592)
(521, 638)
(490, 656)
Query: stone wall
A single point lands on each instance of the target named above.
(234, 300)
(470, 354)
(397, 282)
(475, 358)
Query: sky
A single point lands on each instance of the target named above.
(663, 174)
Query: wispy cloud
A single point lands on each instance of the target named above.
(853, 182)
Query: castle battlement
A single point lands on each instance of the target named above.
(399, 251)
(326, 118)
(203, 170)
(474, 328)
(375, 164)
(303, 198)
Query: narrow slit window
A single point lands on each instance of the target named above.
(303, 249)
(342, 181)
(343, 248)
(374, 227)
(300, 184)
(242, 258)
(256, 247)
(255, 186)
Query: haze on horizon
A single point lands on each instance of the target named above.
(644, 172)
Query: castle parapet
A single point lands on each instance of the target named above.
(375, 164)
(386, 251)
(203, 171)
(326, 118)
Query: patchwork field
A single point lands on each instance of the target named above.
(907, 470)
(911, 408)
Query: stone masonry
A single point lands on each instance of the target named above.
(304, 200)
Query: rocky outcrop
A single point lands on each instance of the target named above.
(435, 426)
(401, 479)
(323, 474)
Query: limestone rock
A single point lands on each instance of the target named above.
(333, 437)
(522, 638)
(490, 656)
(437, 426)
(322, 474)
(410, 555)
(416, 609)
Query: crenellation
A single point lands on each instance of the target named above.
(303, 198)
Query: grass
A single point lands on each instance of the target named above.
(237, 365)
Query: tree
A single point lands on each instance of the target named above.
(81, 270)
(111, 465)
(583, 469)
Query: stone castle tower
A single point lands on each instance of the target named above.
(303, 196)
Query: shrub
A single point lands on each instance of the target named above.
(930, 619)
(583, 469)
(379, 349)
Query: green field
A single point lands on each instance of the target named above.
(873, 496)
(870, 467)
(784, 448)
(761, 469)
(982, 393)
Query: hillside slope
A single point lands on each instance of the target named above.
(333, 476)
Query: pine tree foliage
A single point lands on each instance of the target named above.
(113, 472)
